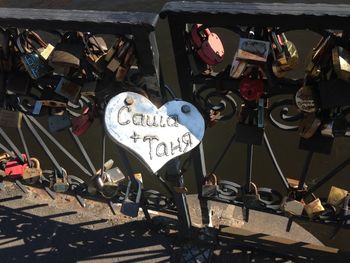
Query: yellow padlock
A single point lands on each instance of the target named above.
(32, 174)
(336, 196)
(285, 63)
(314, 208)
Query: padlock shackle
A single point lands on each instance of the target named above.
(139, 190)
(212, 178)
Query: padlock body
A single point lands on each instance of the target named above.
(209, 46)
(314, 208)
(251, 200)
(81, 124)
(35, 66)
(293, 207)
(336, 196)
(130, 208)
(31, 172)
(61, 187)
(251, 89)
(209, 190)
(14, 169)
(109, 190)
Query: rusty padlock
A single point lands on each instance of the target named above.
(207, 44)
(336, 196)
(32, 174)
(81, 124)
(210, 186)
(314, 208)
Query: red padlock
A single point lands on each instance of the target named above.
(14, 169)
(251, 89)
(207, 44)
(82, 123)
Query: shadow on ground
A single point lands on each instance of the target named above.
(25, 237)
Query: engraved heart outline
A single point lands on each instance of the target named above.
(154, 135)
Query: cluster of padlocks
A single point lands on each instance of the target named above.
(258, 72)
(68, 82)
(71, 81)
(263, 60)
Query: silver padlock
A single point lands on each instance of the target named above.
(129, 207)
(61, 185)
(110, 182)
(293, 207)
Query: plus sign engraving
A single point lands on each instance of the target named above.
(153, 135)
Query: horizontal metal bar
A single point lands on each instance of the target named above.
(268, 14)
(83, 20)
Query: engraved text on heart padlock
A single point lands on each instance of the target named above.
(153, 135)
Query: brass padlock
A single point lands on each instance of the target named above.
(292, 206)
(112, 51)
(320, 54)
(4, 157)
(294, 184)
(285, 60)
(98, 44)
(336, 196)
(32, 174)
(341, 63)
(314, 208)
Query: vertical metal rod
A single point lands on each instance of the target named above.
(274, 161)
(305, 170)
(249, 165)
(103, 152)
(250, 152)
(83, 151)
(178, 30)
(173, 170)
(12, 145)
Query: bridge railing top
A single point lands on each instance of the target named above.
(268, 14)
